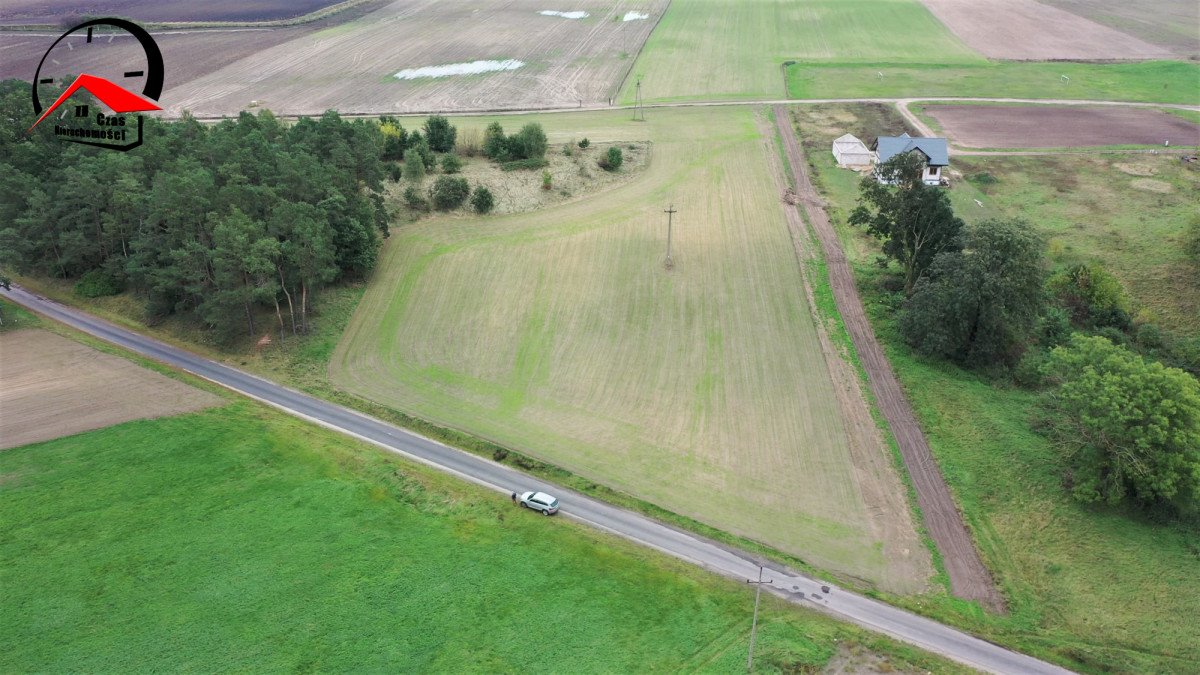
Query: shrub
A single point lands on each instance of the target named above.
(394, 138)
(415, 200)
(449, 192)
(440, 134)
(394, 172)
(584, 144)
(1128, 428)
(495, 144)
(1093, 297)
(524, 164)
(482, 200)
(98, 283)
(451, 164)
(529, 142)
(470, 142)
(547, 181)
(568, 149)
(414, 167)
(612, 160)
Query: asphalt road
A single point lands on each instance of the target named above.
(788, 584)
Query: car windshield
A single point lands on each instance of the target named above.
(554, 503)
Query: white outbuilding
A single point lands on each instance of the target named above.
(851, 152)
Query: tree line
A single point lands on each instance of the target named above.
(221, 222)
(1120, 397)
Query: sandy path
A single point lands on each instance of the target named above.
(969, 578)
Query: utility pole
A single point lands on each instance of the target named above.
(639, 113)
(754, 625)
(670, 217)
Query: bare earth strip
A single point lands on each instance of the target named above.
(351, 67)
(969, 578)
(985, 126)
(1029, 30)
(52, 387)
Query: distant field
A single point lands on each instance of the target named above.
(1045, 126)
(1103, 588)
(704, 390)
(1168, 23)
(351, 67)
(1150, 81)
(41, 11)
(51, 387)
(731, 49)
(240, 539)
(1028, 30)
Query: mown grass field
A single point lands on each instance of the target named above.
(1100, 587)
(242, 539)
(703, 390)
(731, 49)
(1146, 81)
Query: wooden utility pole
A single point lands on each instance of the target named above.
(754, 625)
(670, 217)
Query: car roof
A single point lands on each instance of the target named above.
(542, 497)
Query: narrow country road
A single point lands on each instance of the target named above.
(794, 587)
(969, 578)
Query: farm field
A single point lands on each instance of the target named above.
(733, 49)
(186, 54)
(352, 66)
(1148, 81)
(1067, 570)
(51, 387)
(242, 539)
(42, 12)
(989, 126)
(1031, 30)
(1167, 23)
(706, 390)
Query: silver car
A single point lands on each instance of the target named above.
(539, 501)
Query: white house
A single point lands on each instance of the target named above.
(934, 150)
(851, 152)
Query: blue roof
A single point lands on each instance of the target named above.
(935, 149)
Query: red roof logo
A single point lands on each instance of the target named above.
(119, 99)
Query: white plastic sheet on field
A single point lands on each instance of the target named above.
(565, 15)
(635, 16)
(472, 68)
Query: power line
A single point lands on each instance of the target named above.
(670, 217)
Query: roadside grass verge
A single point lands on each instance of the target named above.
(1145, 81)
(1093, 587)
(242, 539)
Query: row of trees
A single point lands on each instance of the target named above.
(217, 221)
(1128, 425)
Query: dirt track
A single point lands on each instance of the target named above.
(983, 126)
(969, 578)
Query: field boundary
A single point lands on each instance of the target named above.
(969, 577)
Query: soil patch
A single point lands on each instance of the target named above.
(51, 387)
(985, 126)
(1151, 185)
(1029, 30)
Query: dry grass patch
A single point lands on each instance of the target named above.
(52, 387)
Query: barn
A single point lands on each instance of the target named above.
(851, 152)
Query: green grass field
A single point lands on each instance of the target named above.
(242, 539)
(1147, 81)
(1100, 587)
(702, 390)
(734, 49)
